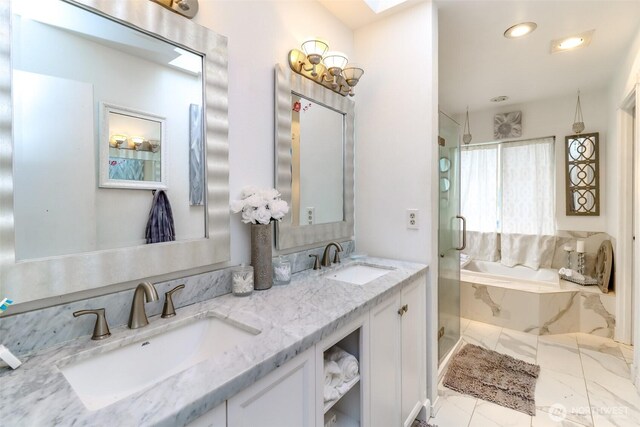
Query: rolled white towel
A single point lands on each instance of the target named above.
(333, 375)
(347, 362)
(330, 393)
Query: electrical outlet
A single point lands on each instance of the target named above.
(413, 219)
(311, 215)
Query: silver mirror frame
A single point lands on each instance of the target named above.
(32, 280)
(288, 235)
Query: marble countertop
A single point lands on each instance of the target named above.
(291, 319)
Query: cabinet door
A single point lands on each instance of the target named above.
(217, 417)
(413, 354)
(285, 397)
(384, 362)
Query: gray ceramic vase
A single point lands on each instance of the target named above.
(261, 256)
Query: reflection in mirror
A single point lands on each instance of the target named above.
(314, 161)
(445, 164)
(317, 168)
(66, 157)
(130, 149)
(444, 184)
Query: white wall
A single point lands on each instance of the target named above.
(397, 150)
(554, 117)
(261, 33)
(394, 135)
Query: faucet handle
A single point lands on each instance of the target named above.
(336, 256)
(101, 329)
(316, 262)
(169, 310)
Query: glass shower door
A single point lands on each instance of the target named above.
(449, 236)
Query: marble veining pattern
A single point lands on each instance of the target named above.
(291, 318)
(563, 311)
(584, 382)
(31, 331)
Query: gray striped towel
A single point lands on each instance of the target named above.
(160, 226)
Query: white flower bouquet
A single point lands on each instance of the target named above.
(260, 206)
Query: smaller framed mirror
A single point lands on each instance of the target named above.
(582, 175)
(132, 153)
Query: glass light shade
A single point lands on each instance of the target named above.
(352, 75)
(314, 47)
(118, 140)
(137, 139)
(335, 60)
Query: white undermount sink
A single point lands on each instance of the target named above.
(109, 377)
(359, 274)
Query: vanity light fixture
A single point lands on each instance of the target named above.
(572, 42)
(118, 140)
(520, 30)
(330, 69)
(137, 142)
(186, 8)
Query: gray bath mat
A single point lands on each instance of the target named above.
(494, 377)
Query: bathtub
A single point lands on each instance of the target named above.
(533, 301)
(518, 277)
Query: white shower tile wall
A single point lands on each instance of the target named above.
(34, 330)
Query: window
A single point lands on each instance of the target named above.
(509, 187)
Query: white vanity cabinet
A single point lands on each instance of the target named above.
(397, 356)
(285, 397)
(217, 417)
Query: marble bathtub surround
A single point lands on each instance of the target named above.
(34, 330)
(540, 309)
(290, 319)
(582, 379)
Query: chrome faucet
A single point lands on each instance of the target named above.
(138, 316)
(326, 261)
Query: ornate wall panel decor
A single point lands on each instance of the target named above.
(583, 186)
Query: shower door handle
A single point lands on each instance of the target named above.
(464, 233)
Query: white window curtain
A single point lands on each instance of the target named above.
(509, 188)
(479, 187)
(479, 197)
(528, 189)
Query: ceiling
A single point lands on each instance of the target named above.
(355, 13)
(476, 62)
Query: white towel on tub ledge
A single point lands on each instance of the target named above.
(529, 250)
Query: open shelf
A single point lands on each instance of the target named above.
(346, 387)
(344, 420)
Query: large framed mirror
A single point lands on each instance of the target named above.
(314, 161)
(121, 77)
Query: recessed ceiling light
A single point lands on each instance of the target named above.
(520, 30)
(499, 98)
(572, 42)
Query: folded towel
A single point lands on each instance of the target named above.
(347, 363)
(333, 375)
(330, 393)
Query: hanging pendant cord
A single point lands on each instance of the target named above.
(578, 116)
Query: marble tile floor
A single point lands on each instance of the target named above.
(583, 382)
